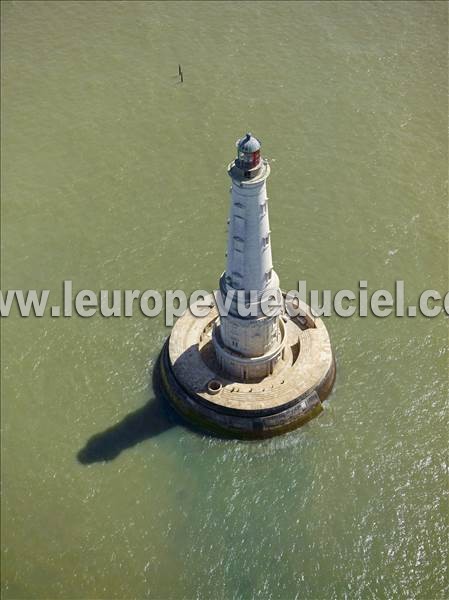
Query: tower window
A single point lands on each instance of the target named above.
(236, 279)
(238, 244)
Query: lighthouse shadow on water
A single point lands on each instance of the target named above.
(152, 419)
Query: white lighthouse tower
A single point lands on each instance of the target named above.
(246, 372)
(249, 346)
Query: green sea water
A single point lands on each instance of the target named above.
(114, 176)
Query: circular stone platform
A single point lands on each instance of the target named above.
(191, 379)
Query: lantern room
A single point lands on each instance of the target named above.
(248, 154)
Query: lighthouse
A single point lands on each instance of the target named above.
(246, 371)
(248, 346)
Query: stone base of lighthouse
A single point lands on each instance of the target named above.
(193, 381)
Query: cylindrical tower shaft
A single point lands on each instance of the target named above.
(249, 261)
(249, 271)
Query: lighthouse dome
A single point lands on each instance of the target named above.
(248, 155)
(248, 144)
